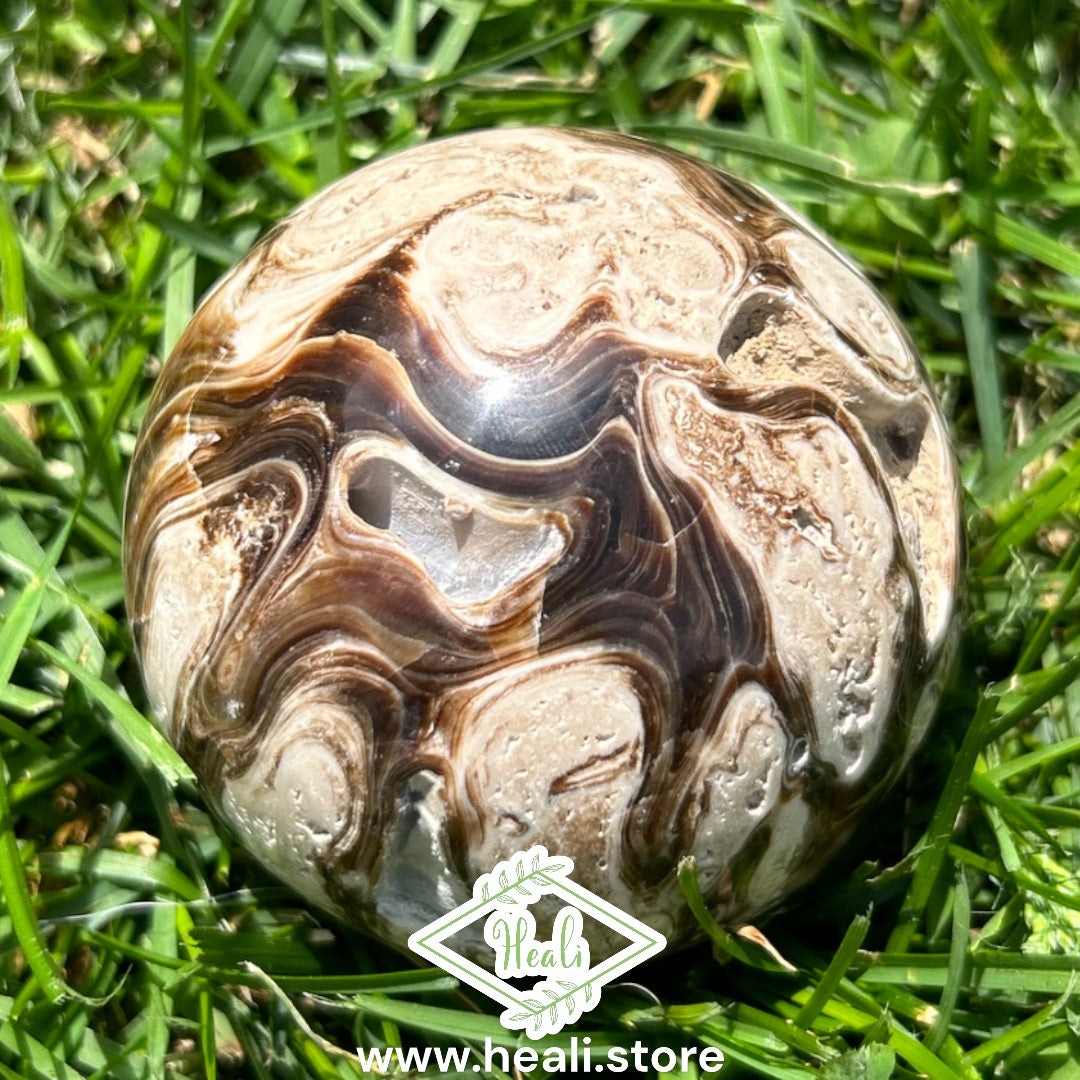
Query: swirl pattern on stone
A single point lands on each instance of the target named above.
(541, 486)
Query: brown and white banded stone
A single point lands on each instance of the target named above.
(543, 486)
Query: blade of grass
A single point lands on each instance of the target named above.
(958, 962)
(1024, 239)
(733, 945)
(1056, 681)
(160, 938)
(141, 742)
(1032, 512)
(454, 38)
(207, 1035)
(665, 43)
(322, 117)
(970, 264)
(120, 868)
(835, 972)
(20, 905)
(436, 1020)
(936, 841)
(999, 1045)
(966, 33)
(994, 486)
(12, 289)
(333, 83)
(254, 56)
(1010, 973)
(1045, 755)
(20, 619)
(368, 21)
(766, 58)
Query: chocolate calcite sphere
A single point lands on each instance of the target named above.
(543, 487)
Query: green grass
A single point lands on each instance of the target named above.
(145, 146)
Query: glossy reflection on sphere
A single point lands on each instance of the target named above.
(542, 487)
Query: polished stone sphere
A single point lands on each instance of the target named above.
(543, 487)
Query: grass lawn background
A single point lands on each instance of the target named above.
(144, 146)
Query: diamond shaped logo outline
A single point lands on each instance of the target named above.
(517, 883)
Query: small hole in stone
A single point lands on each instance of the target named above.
(799, 756)
(755, 798)
(512, 825)
(901, 437)
(904, 444)
(581, 193)
(750, 320)
(370, 490)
